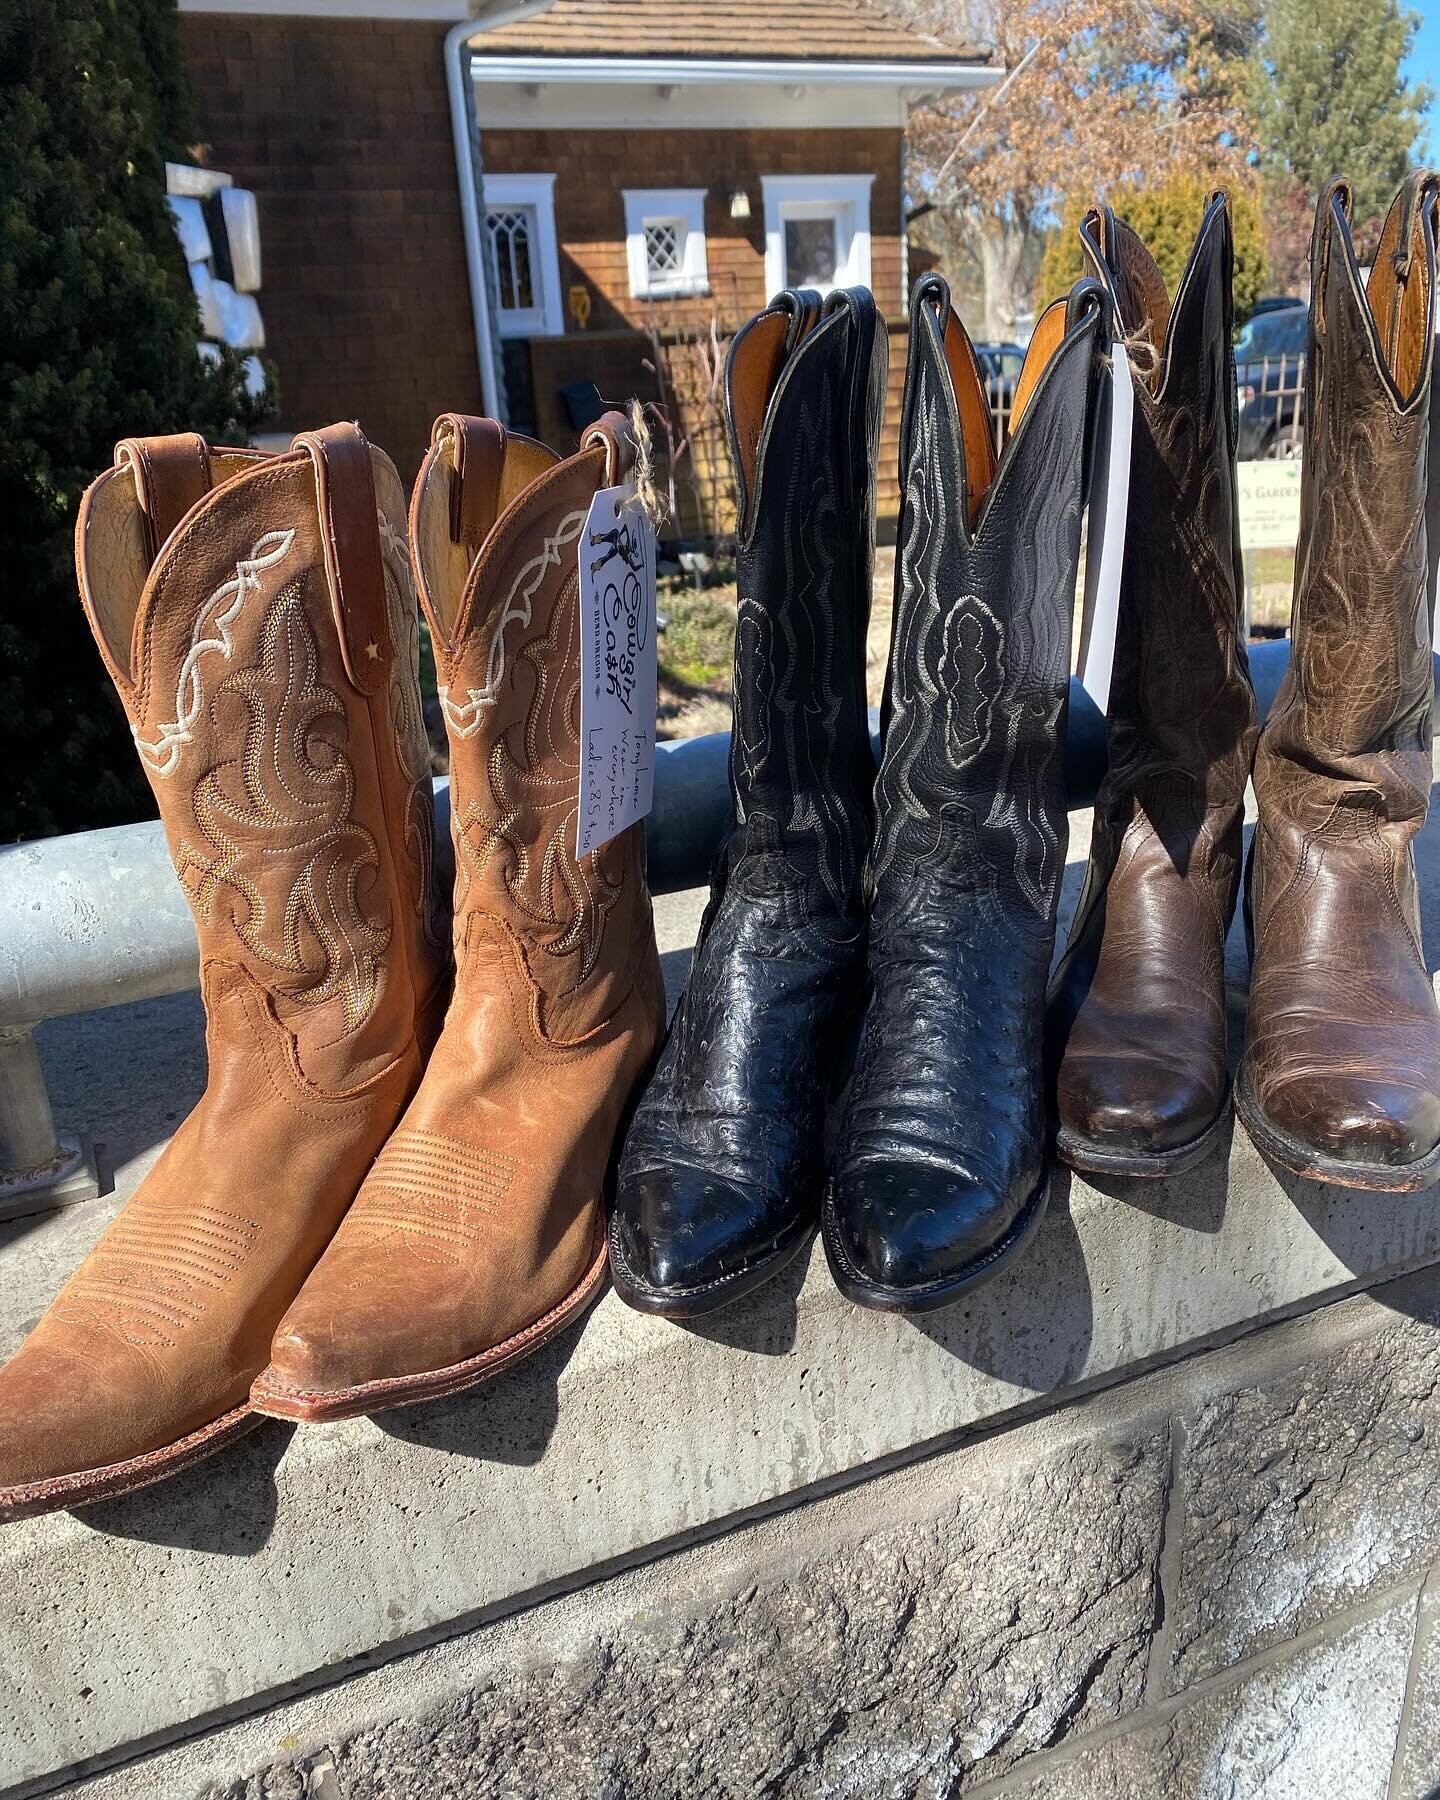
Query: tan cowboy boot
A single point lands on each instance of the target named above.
(481, 1230)
(256, 615)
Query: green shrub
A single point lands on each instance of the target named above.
(1167, 218)
(98, 328)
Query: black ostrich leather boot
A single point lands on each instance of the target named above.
(939, 1175)
(719, 1183)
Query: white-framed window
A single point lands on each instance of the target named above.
(520, 238)
(817, 231)
(665, 242)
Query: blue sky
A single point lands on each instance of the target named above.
(1424, 63)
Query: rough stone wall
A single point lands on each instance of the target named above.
(1216, 1582)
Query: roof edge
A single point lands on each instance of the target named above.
(951, 70)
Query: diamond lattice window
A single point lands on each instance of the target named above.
(664, 247)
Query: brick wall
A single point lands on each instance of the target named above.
(342, 128)
(593, 167)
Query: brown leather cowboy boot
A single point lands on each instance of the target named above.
(1341, 1077)
(250, 610)
(481, 1230)
(1137, 1016)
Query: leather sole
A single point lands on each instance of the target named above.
(315, 1407)
(1301, 1159)
(933, 1296)
(1089, 1158)
(706, 1296)
(61, 1492)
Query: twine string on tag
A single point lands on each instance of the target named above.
(1140, 349)
(646, 496)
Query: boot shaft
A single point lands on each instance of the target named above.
(253, 612)
(805, 392)
(1355, 708)
(1181, 702)
(970, 786)
(497, 523)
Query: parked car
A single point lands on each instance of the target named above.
(1000, 366)
(1270, 376)
(1272, 303)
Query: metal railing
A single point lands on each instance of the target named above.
(1271, 394)
(99, 919)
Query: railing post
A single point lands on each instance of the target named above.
(38, 1168)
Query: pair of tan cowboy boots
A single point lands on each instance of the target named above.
(377, 1200)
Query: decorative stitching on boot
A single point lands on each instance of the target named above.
(297, 790)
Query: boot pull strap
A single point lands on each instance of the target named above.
(350, 529)
(612, 434)
(171, 475)
(478, 455)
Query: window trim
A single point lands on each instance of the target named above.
(845, 197)
(645, 206)
(536, 191)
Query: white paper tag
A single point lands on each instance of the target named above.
(617, 667)
(1105, 540)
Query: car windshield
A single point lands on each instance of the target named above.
(1278, 333)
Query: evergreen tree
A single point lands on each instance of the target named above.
(1332, 100)
(98, 333)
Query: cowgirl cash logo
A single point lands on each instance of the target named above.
(622, 607)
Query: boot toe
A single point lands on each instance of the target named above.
(1136, 1105)
(901, 1231)
(68, 1412)
(1380, 1123)
(340, 1337)
(53, 1422)
(678, 1229)
(312, 1356)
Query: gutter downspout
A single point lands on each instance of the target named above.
(465, 132)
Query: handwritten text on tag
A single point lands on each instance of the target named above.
(617, 668)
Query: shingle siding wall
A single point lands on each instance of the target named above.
(342, 128)
(592, 169)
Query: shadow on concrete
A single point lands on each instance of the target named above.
(126, 1077)
(764, 1322)
(1033, 1323)
(1371, 1235)
(1194, 1199)
(224, 1506)
(509, 1420)
(675, 966)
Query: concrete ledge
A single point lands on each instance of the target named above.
(297, 1555)
(1018, 1615)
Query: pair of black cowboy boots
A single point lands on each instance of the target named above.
(911, 908)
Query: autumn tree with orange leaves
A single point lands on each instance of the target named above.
(1099, 93)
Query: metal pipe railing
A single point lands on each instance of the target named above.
(99, 919)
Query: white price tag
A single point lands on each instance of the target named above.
(617, 667)
(1105, 540)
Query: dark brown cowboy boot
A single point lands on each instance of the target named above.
(1341, 1077)
(258, 618)
(1137, 1019)
(480, 1231)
